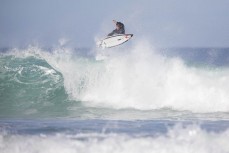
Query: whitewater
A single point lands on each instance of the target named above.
(133, 98)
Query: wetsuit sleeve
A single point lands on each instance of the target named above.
(112, 33)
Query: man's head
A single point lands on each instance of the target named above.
(118, 25)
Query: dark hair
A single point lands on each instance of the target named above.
(119, 24)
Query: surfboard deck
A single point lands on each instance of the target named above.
(115, 40)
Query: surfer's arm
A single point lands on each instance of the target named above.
(112, 33)
(114, 22)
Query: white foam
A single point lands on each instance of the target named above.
(178, 139)
(138, 77)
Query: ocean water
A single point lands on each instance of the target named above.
(126, 99)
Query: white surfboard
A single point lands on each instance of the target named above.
(115, 40)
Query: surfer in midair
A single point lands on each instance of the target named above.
(120, 28)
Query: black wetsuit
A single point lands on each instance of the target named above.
(120, 31)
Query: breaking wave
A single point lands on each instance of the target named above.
(138, 77)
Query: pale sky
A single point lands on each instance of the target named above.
(164, 23)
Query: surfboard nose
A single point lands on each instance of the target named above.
(128, 36)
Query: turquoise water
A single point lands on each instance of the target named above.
(35, 82)
(119, 100)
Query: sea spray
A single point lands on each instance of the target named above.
(185, 139)
(141, 78)
(137, 78)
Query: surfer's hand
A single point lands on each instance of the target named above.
(114, 21)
